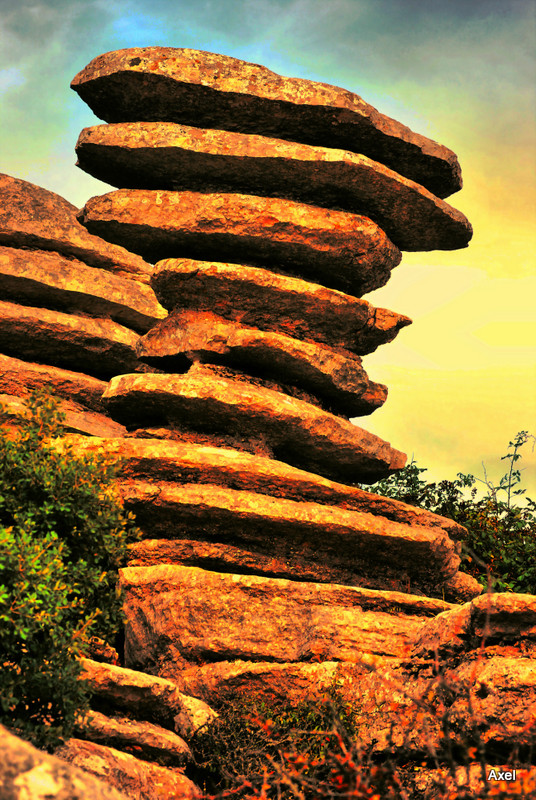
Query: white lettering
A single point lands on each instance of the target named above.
(498, 775)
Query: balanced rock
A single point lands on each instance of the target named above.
(343, 250)
(63, 340)
(189, 336)
(179, 616)
(215, 91)
(262, 299)
(307, 541)
(41, 278)
(163, 155)
(299, 432)
(32, 217)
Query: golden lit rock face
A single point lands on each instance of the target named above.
(208, 90)
(163, 155)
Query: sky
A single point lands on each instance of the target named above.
(462, 378)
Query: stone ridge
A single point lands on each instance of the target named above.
(163, 155)
(203, 89)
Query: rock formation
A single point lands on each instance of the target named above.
(259, 209)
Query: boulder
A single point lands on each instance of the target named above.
(139, 780)
(27, 773)
(163, 155)
(154, 460)
(142, 739)
(77, 419)
(258, 298)
(104, 347)
(208, 90)
(181, 616)
(299, 433)
(337, 248)
(41, 278)
(337, 379)
(34, 218)
(305, 541)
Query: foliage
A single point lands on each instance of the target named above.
(63, 536)
(501, 534)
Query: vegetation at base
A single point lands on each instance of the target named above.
(63, 536)
(501, 534)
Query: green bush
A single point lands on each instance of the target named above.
(501, 534)
(63, 536)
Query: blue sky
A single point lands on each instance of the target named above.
(462, 378)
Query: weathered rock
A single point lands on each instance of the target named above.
(77, 419)
(261, 299)
(145, 696)
(179, 616)
(305, 541)
(300, 433)
(504, 618)
(29, 774)
(32, 217)
(339, 380)
(139, 780)
(40, 278)
(160, 460)
(340, 249)
(163, 155)
(104, 347)
(142, 739)
(20, 378)
(214, 91)
(461, 588)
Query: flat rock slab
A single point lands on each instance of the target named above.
(300, 540)
(76, 420)
(163, 155)
(139, 780)
(27, 773)
(145, 739)
(145, 697)
(298, 432)
(104, 347)
(258, 298)
(161, 460)
(180, 616)
(34, 218)
(41, 278)
(343, 250)
(214, 91)
(338, 380)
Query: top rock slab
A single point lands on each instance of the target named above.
(192, 87)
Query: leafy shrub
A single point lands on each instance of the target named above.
(501, 535)
(63, 536)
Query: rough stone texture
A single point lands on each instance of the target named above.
(461, 588)
(40, 278)
(160, 460)
(163, 155)
(215, 91)
(102, 346)
(342, 250)
(299, 432)
(145, 696)
(20, 378)
(139, 780)
(504, 618)
(339, 380)
(29, 774)
(142, 739)
(34, 218)
(262, 299)
(179, 616)
(305, 541)
(77, 419)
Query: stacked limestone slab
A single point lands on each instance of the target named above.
(269, 206)
(72, 308)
